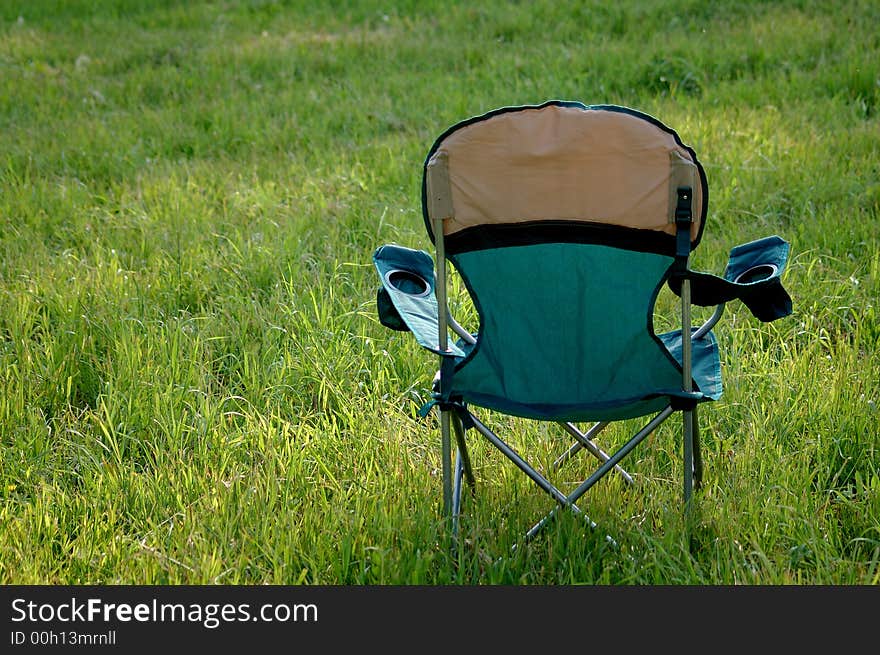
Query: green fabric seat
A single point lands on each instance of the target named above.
(533, 359)
(547, 343)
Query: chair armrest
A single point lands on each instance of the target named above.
(752, 275)
(406, 301)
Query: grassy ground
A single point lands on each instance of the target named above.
(195, 387)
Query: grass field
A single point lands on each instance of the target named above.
(195, 385)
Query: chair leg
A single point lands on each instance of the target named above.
(445, 464)
(456, 496)
(688, 455)
(698, 458)
(462, 470)
(458, 428)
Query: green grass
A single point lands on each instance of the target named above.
(196, 388)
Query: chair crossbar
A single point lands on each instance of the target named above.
(522, 464)
(584, 440)
(622, 452)
(535, 529)
(536, 477)
(609, 463)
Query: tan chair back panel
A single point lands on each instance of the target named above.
(562, 163)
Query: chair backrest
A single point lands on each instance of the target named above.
(561, 224)
(563, 161)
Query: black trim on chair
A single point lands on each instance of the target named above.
(528, 233)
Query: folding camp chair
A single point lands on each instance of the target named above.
(564, 221)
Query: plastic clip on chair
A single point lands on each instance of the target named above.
(564, 221)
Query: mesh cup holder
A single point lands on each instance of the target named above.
(408, 282)
(756, 273)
